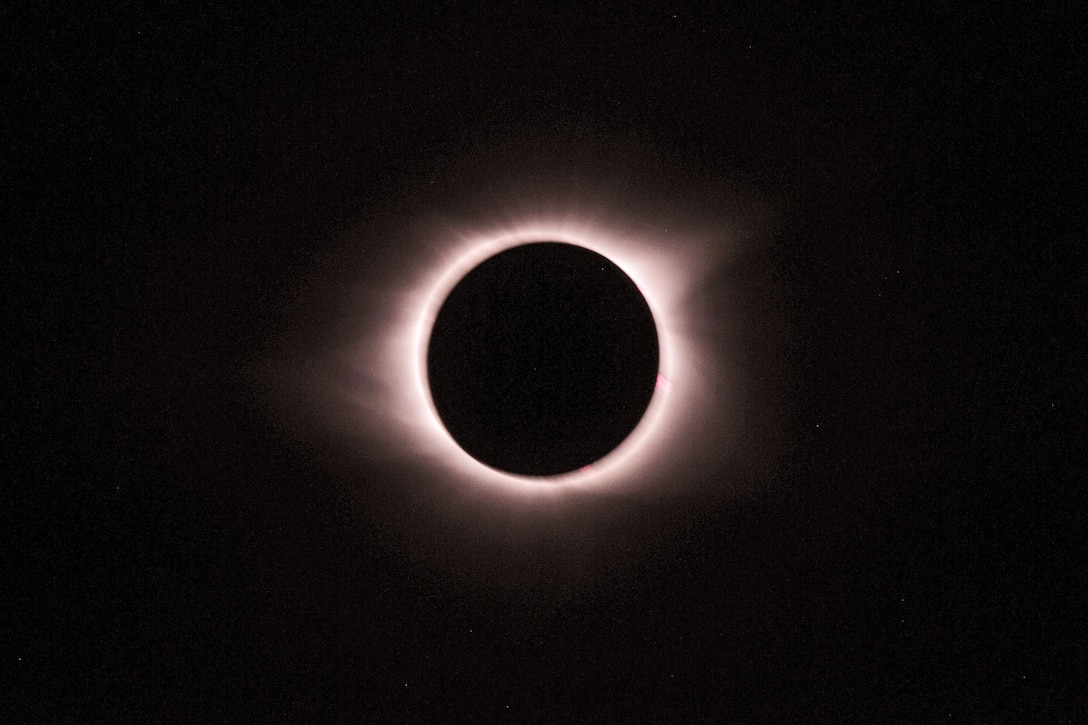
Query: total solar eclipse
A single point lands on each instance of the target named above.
(542, 359)
(539, 341)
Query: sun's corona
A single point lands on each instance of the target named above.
(672, 415)
(370, 382)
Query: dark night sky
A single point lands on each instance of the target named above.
(176, 178)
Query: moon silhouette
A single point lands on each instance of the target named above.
(542, 359)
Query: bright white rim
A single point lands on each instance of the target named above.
(669, 266)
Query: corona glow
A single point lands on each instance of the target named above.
(371, 383)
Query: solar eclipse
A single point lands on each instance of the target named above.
(644, 329)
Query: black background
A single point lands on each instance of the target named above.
(172, 554)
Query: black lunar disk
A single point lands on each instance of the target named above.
(542, 359)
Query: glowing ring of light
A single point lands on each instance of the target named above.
(454, 274)
(665, 265)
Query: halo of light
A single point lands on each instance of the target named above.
(666, 267)
(363, 380)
